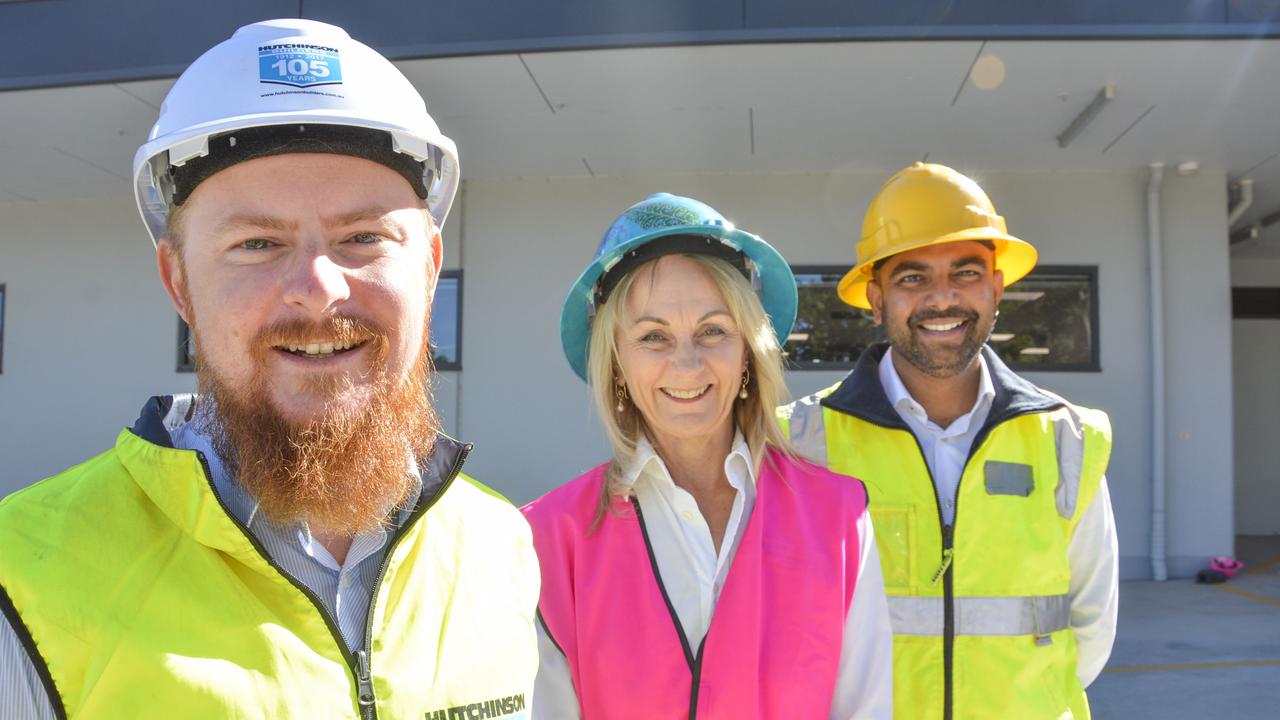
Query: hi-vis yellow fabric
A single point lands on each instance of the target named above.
(980, 610)
(144, 598)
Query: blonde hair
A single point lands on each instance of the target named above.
(755, 416)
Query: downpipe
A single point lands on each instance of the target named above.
(1155, 274)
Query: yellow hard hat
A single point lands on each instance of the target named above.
(929, 204)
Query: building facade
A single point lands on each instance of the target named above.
(785, 116)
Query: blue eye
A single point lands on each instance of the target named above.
(714, 330)
(256, 244)
(365, 238)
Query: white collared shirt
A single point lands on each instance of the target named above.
(945, 449)
(1093, 553)
(693, 574)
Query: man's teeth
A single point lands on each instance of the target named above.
(942, 327)
(320, 348)
(685, 394)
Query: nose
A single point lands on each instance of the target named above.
(316, 284)
(943, 294)
(687, 357)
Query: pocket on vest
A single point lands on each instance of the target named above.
(895, 528)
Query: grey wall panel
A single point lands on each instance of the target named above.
(66, 42)
(397, 23)
(927, 15)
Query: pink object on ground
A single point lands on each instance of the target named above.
(1226, 565)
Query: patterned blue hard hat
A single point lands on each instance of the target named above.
(665, 224)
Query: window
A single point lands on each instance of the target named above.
(1252, 303)
(186, 348)
(446, 321)
(1, 327)
(1048, 321)
(828, 334)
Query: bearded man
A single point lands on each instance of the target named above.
(297, 540)
(987, 494)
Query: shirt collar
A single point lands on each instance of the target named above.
(901, 398)
(738, 467)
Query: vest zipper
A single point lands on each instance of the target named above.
(694, 661)
(370, 711)
(360, 668)
(943, 572)
(364, 685)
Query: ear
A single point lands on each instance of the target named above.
(998, 278)
(875, 296)
(173, 277)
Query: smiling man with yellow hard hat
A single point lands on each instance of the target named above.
(1006, 610)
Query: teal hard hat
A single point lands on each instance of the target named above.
(665, 224)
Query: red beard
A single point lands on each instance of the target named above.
(343, 471)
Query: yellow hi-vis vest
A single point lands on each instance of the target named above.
(980, 610)
(137, 595)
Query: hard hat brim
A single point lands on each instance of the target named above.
(1014, 257)
(778, 287)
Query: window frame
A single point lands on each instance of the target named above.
(1089, 273)
(1094, 364)
(456, 365)
(4, 307)
(823, 366)
(182, 364)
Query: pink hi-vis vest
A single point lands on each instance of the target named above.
(774, 643)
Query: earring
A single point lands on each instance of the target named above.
(620, 392)
(746, 378)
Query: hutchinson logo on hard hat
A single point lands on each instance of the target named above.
(299, 65)
(929, 204)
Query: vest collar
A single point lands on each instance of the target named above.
(861, 394)
(178, 481)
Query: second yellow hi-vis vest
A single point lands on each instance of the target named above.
(136, 594)
(980, 609)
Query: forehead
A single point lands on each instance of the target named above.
(943, 255)
(296, 188)
(671, 285)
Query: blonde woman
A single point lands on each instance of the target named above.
(704, 571)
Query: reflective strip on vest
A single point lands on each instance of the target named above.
(1068, 436)
(1040, 615)
(808, 431)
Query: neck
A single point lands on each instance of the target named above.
(336, 544)
(687, 460)
(697, 466)
(943, 399)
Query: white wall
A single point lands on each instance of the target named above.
(1255, 349)
(89, 332)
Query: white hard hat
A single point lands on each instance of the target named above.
(305, 79)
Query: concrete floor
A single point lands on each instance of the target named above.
(1198, 651)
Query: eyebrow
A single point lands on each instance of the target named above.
(247, 221)
(660, 321)
(913, 266)
(355, 217)
(252, 221)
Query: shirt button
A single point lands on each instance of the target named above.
(688, 516)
